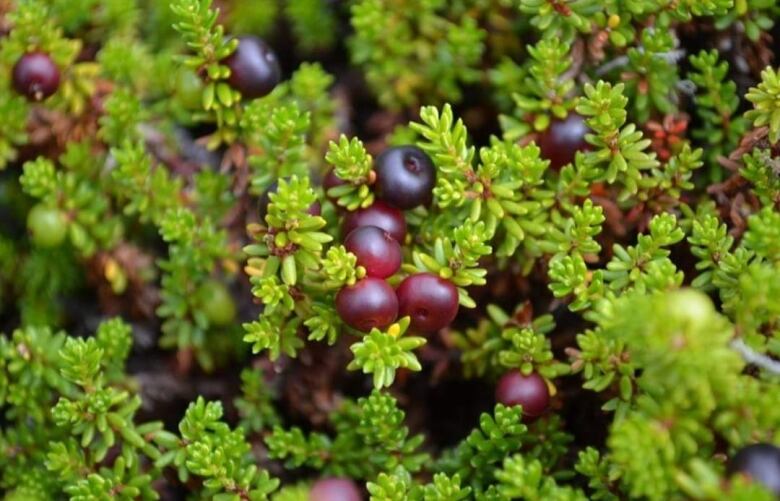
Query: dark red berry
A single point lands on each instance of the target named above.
(530, 391)
(405, 177)
(36, 76)
(315, 209)
(430, 301)
(331, 181)
(562, 139)
(335, 489)
(759, 462)
(379, 214)
(376, 250)
(254, 68)
(367, 304)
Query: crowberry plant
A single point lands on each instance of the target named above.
(35, 76)
(379, 214)
(254, 68)
(389, 250)
(375, 249)
(530, 392)
(405, 176)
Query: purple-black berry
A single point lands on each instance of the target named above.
(531, 392)
(405, 177)
(254, 68)
(367, 304)
(35, 76)
(430, 301)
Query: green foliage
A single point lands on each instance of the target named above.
(755, 15)
(476, 457)
(90, 224)
(764, 98)
(382, 353)
(351, 163)
(561, 21)
(68, 450)
(197, 24)
(759, 168)
(282, 139)
(370, 437)
(256, 404)
(546, 89)
(654, 74)
(395, 43)
(501, 342)
(219, 456)
(716, 104)
(519, 479)
(687, 368)
(619, 148)
(398, 486)
(132, 193)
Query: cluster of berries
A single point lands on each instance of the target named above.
(405, 177)
(254, 71)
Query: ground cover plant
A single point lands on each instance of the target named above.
(393, 250)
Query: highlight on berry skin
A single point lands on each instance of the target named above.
(405, 177)
(254, 67)
(35, 76)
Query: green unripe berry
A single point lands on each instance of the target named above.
(216, 303)
(189, 89)
(47, 226)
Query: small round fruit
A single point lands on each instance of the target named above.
(530, 391)
(405, 177)
(217, 304)
(335, 489)
(376, 250)
(315, 209)
(254, 68)
(47, 226)
(759, 462)
(563, 139)
(430, 301)
(379, 214)
(36, 76)
(367, 304)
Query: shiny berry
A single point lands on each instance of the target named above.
(47, 226)
(562, 139)
(367, 304)
(376, 250)
(379, 214)
(315, 209)
(429, 300)
(531, 391)
(254, 68)
(335, 489)
(405, 177)
(215, 301)
(759, 462)
(36, 76)
(331, 181)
